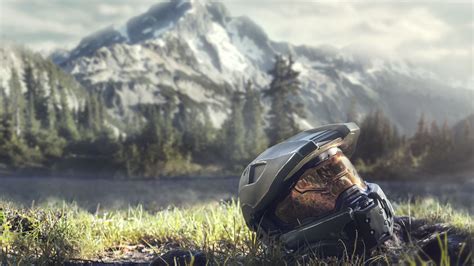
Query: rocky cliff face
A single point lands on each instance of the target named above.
(197, 53)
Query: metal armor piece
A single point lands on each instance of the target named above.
(305, 193)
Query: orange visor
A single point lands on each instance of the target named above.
(317, 189)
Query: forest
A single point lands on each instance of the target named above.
(40, 135)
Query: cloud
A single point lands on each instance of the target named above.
(436, 35)
(46, 25)
(113, 10)
(346, 24)
(18, 23)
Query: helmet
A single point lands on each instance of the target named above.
(305, 193)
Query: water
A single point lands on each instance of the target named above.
(159, 194)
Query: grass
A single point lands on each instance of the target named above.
(55, 234)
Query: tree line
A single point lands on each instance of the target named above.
(36, 120)
(42, 134)
(383, 153)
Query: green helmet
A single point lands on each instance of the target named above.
(305, 193)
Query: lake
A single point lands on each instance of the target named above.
(105, 194)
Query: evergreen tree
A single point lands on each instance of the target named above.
(439, 147)
(171, 137)
(13, 152)
(378, 138)
(67, 126)
(465, 143)
(233, 133)
(133, 163)
(434, 130)
(447, 137)
(32, 124)
(284, 89)
(7, 130)
(255, 138)
(17, 102)
(196, 131)
(2, 101)
(421, 138)
(51, 114)
(160, 141)
(92, 117)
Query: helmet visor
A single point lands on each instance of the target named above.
(315, 192)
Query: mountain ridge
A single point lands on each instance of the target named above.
(197, 48)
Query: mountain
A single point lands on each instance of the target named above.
(196, 53)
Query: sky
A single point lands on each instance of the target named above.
(437, 35)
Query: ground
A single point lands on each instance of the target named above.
(214, 233)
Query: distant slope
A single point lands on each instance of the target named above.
(31, 84)
(25, 74)
(47, 75)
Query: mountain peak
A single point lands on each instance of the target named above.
(190, 15)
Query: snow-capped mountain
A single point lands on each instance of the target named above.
(198, 53)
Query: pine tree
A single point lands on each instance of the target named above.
(32, 124)
(233, 137)
(434, 130)
(283, 86)
(196, 130)
(255, 138)
(67, 126)
(171, 137)
(447, 137)
(378, 138)
(17, 102)
(439, 147)
(7, 130)
(51, 114)
(465, 143)
(421, 138)
(159, 140)
(13, 151)
(92, 116)
(2, 101)
(133, 163)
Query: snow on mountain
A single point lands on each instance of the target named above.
(196, 51)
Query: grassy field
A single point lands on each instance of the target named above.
(55, 234)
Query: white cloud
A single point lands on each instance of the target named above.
(114, 10)
(23, 23)
(435, 34)
(342, 24)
